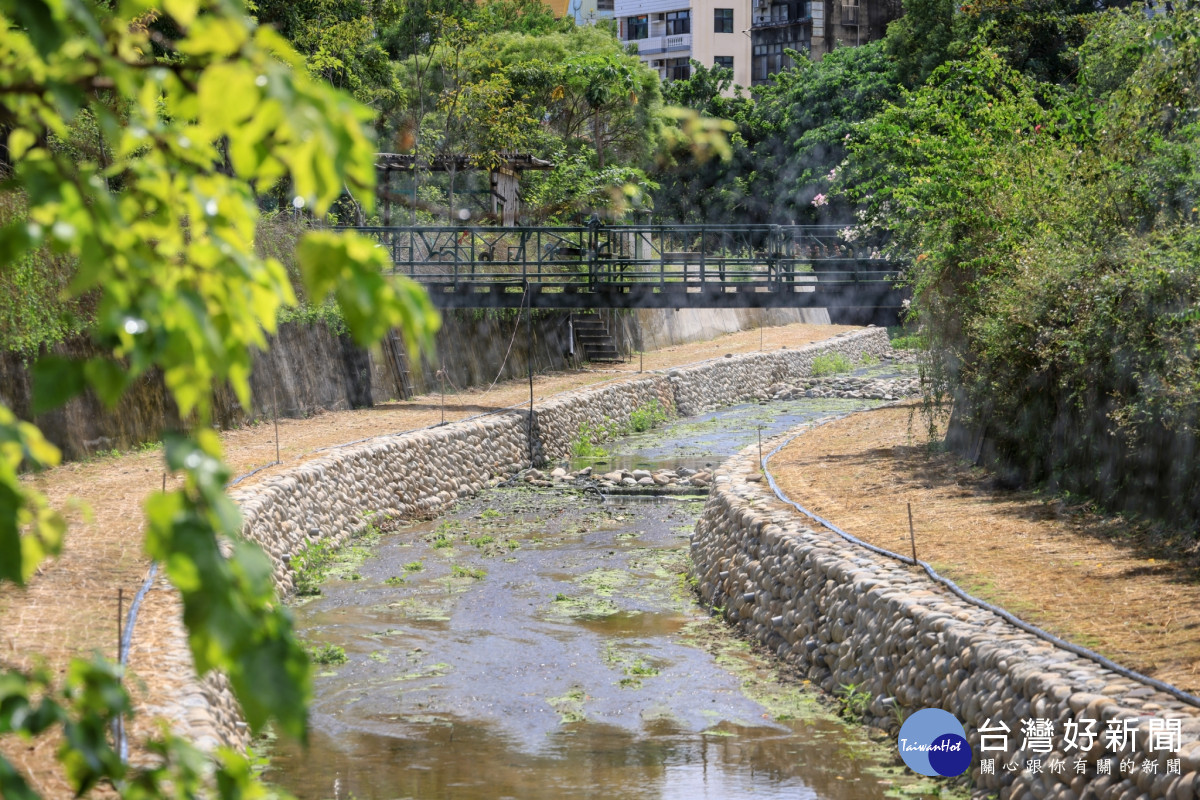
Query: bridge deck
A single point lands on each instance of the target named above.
(648, 266)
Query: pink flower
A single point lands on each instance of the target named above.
(820, 200)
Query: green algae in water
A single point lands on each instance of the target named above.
(634, 614)
(416, 608)
(588, 607)
(569, 706)
(604, 582)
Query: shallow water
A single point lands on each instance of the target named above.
(545, 644)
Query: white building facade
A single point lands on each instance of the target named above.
(668, 33)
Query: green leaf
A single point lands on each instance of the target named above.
(19, 142)
(55, 381)
(233, 619)
(42, 21)
(15, 240)
(12, 559)
(108, 378)
(12, 785)
(351, 268)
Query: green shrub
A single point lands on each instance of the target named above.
(647, 416)
(853, 702)
(311, 567)
(329, 654)
(911, 341)
(830, 364)
(586, 442)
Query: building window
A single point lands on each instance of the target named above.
(639, 27)
(679, 22)
(678, 69)
(724, 62)
(768, 59)
(779, 13)
(604, 5)
(723, 20)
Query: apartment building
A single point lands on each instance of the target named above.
(668, 33)
(812, 26)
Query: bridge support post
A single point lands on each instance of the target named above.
(529, 362)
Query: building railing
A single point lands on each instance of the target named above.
(662, 44)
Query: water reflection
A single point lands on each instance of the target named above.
(472, 761)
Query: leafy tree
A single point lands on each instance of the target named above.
(708, 189)
(555, 95)
(1053, 247)
(1035, 37)
(343, 43)
(789, 139)
(162, 231)
(526, 17)
(929, 33)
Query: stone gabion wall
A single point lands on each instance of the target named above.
(412, 475)
(727, 381)
(847, 616)
(558, 421)
(419, 473)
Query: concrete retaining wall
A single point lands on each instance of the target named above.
(847, 616)
(307, 369)
(658, 328)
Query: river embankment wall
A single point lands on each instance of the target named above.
(308, 368)
(419, 473)
(848, 617)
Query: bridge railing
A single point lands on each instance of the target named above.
(596, 254)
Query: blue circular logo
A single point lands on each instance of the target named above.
(932, 742)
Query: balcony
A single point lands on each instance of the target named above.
(762, 22)
(662, 44)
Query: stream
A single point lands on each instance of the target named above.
(545, 643)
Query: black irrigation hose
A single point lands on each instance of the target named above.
(241, 478)
(1166, 688)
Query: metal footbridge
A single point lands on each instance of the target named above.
(648, 266)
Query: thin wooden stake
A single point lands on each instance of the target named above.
(912, 534)
(442, 375)
(760, 446)
(641, 361)
(275, 417)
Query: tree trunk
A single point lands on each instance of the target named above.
(597, 139)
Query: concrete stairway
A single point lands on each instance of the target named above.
(591, 332)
